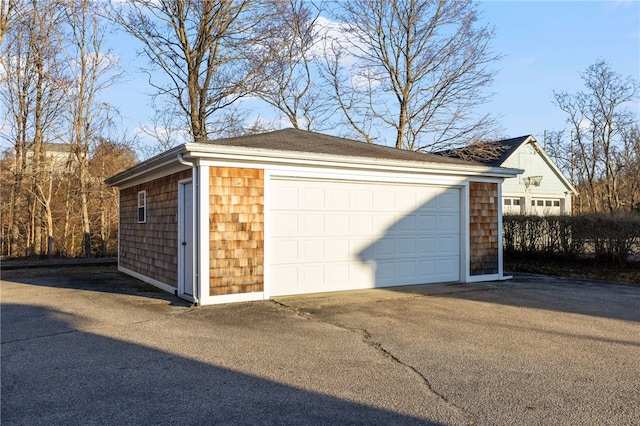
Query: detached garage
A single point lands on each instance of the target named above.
(294, 212)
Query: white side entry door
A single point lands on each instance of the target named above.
(186, 287)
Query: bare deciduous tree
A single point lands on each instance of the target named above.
(628, 162)
(287, 78)
(9, 9)
(107, 157)
(31, 74)
(201, 46)
(91, 71)
(598, 119)
(419, 67)
(53, 70)
(479, 151)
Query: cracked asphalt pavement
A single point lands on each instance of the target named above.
(92, 346)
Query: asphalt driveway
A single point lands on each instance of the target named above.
(91, 346)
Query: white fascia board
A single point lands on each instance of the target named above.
(140, 171)
(255, 156)
(168, 168)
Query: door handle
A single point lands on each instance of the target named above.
(184, 243)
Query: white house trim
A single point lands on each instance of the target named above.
(233, 298)
(162, 286)
(261, 158)
(202, 264)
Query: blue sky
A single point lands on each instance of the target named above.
(546, 44)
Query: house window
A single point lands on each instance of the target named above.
(556, 203)
(516, 201)
(547, 203)
(540, 203)
(142, 206)
(507, 202)
(533, 203)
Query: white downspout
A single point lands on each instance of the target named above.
(196, 221)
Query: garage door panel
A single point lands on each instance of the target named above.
(384, 247)
(312, 224)
(383, 199)
(286, 197)
(386, 270)
(448, 267)
(427, 268)
(407, 246)
(361, 248)
(448, 201)
(448, 245)
(427, 223)
(338, 249)
(285, 251)
(361, 224)
(363, 199)
(405, 200)
(286, 276)
(313, 276)
(407, 268)
(448, 223)
(406, 223)
(336, 235)
(427, 246)
(384, 221)
(339, 199)
(314, 198)
(337, 223)
(313, 250)
(285, 223)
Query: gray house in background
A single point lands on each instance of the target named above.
(542, 189)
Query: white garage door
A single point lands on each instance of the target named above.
(339, 235)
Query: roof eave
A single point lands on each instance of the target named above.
(200, 151)
(258, 155)
(145, 167)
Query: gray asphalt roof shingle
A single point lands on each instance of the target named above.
(318, 143)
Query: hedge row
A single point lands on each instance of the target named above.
(614, 238)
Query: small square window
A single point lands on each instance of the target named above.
(556, 203)
(547, 203)
(516, 201)
(533, 203)
(540, 203)
(142, 206)
(507, 202)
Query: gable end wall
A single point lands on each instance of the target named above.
(151, 248)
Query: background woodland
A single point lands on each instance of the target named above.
(403, 73)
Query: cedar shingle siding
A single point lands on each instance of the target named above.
(151, 248)
(483, 223)
(236, 221)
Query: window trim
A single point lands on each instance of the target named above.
(142, 206)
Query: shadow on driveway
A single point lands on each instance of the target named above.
(569, 295)
(105, 279)
(57, 374)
